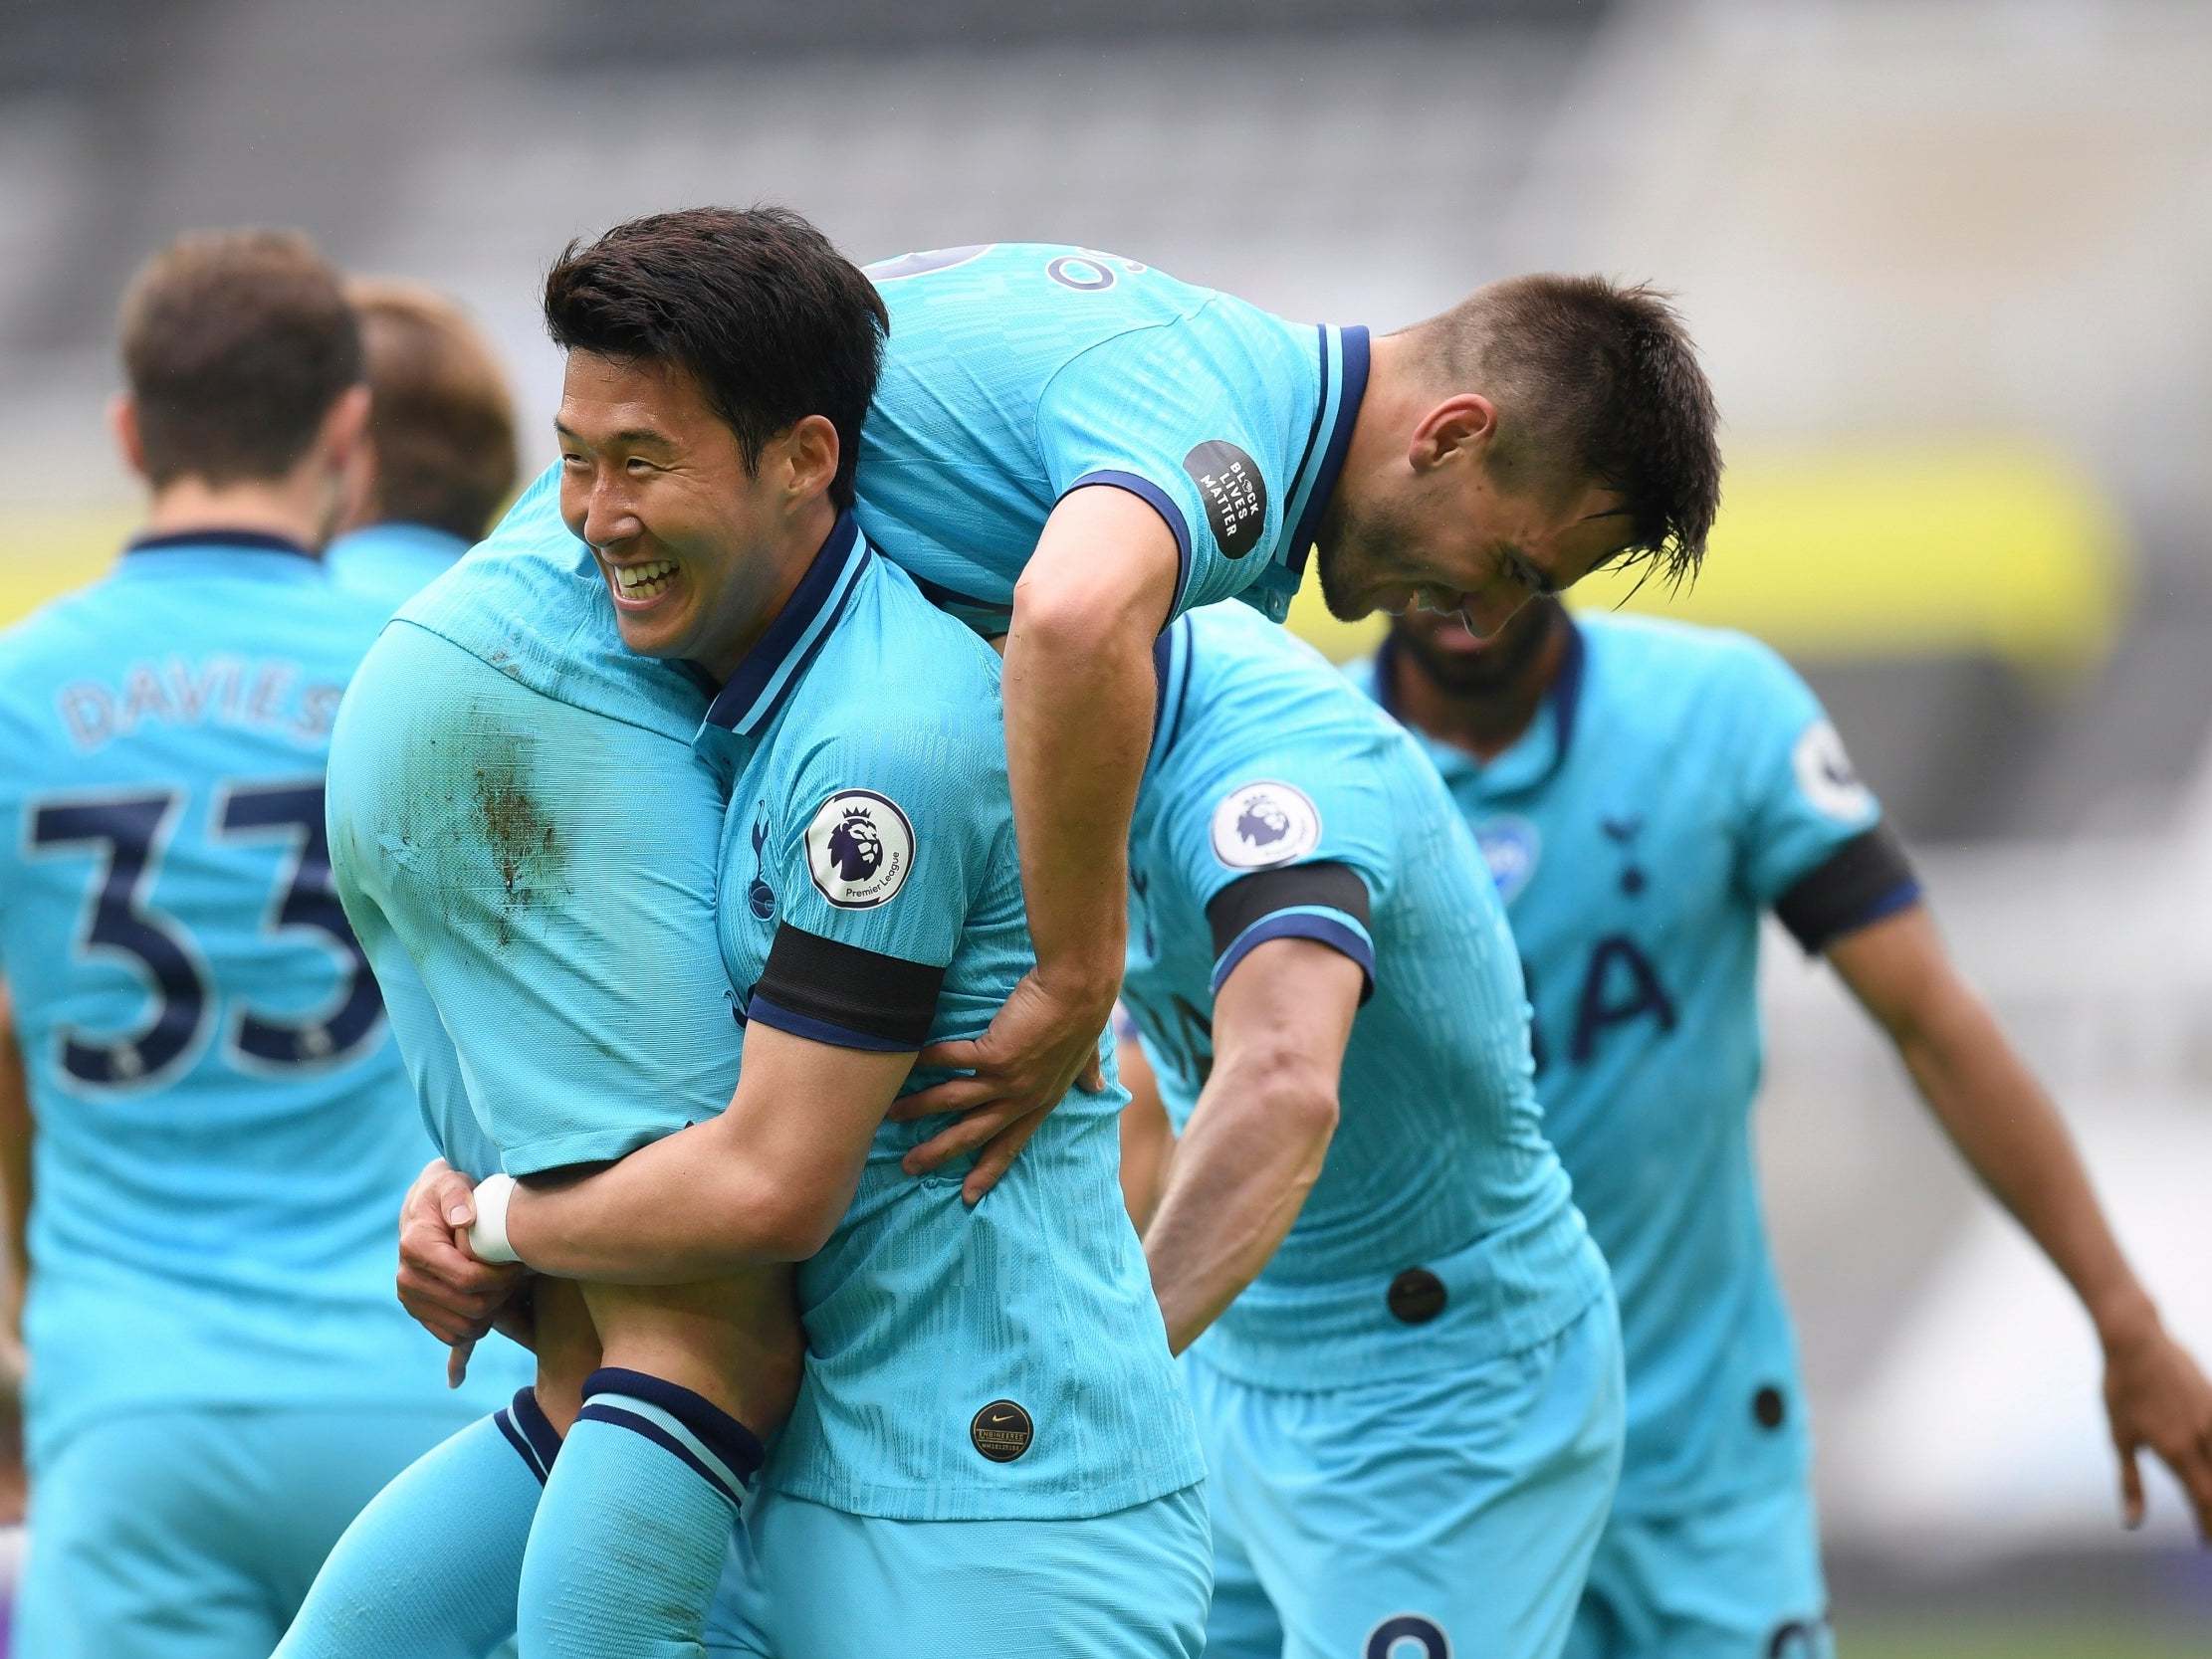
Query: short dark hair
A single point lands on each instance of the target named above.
(754, 304)
(1598, 379)
(235, 344)
(439, 411)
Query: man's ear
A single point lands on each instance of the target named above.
(344, 428)
(123, 422)
(1466, 422)
(811, 450)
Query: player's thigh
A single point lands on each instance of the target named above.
(1241, 1622)
(550, 873)
(319, 1469)
(137, 1550)
(735, 1341)
(1128, 1585)
(1737, 1580)
(1452, 1514)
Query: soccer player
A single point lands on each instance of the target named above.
(988, 1438)
(1644, 793)
(438, 461)
(1409, 1379)
(215, 1127)
(1072, 448)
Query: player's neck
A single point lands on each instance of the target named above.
(1485, 720)
(785, 563)
(297, 509)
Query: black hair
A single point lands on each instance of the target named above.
(754, 304)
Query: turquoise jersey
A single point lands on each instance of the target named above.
(869, 894)
(1018, 371)
(392, 562)
(1015, 372)
(1004, 1361)
(1280, 802)
(223, 1128)
(1680, 782)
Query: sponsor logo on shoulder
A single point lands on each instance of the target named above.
(1264, 823)
(1001, 1431)
(860, 849)
(1827, 777)
(1511, 847)
(1235, 494)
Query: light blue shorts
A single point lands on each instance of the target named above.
(810, 1583)
(1739, 1580)
(1452, 1514)
(194, 1535)
(535, 883)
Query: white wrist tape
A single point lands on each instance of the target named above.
(488, 1236)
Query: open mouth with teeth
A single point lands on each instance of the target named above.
(637, 584)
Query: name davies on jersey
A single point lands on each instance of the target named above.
(271, 695)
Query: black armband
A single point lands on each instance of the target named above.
(838, 993)
(1280, 904)
(1866, 879)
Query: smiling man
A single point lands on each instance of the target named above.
(1072, 448)
(528, 819)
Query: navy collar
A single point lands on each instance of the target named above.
(259, 542)
(773, 665)
(1563, 697)
(1335, 411)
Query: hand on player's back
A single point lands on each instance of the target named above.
(2157, 1398)
(447, 1291)
(1037, 1048)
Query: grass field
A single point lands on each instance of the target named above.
(2012, 1641)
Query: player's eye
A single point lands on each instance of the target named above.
(638, 466)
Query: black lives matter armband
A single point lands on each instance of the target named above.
(838, 993)
(1866, 879)
(1279, 904)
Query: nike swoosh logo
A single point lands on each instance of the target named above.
(1003, 1417)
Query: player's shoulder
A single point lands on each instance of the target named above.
(1669, 663)
(901, 682)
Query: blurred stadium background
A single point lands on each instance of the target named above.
(1950, 262)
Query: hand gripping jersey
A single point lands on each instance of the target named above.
(1680, 782)
(1016, 372)
(1278, 803)
(224, 1131)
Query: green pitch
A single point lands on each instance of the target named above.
(1992, 1640)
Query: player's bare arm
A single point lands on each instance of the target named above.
(1079, 693)
(1147, 1137)
(765, 1182)
(1255, 1141)
(2011, 1135)
(15, 1183)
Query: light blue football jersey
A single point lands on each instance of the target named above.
(1018, 371)
(392, 563)
(997, 1362)
(224, 1131)
(1280, 802)
(1015, 372)
(1680, 782)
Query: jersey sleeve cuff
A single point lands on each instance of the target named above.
(1325, 902)
(1340, 932)
(1161, 503)
(832, 992)
(1866, 879)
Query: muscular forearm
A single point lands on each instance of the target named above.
(1239, 1177)
(15, 1170)
(1079, 693)
(686, 1208)
(2012, 1135)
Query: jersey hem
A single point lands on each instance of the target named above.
(987, 1503)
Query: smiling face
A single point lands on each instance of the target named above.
(654, 481)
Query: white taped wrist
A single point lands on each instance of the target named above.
(488, 1236)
